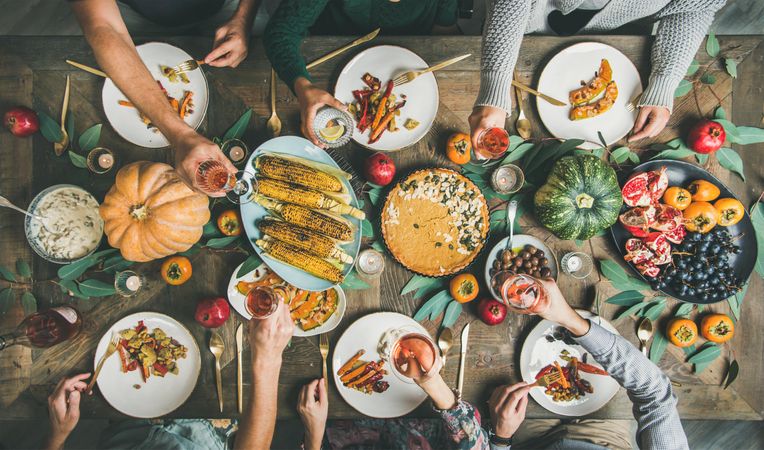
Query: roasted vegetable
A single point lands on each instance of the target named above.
(598, 107)
(303, 238)
(318, 316)
(334, 226)
(300, 259)
(286, 169)
(290, 193)
(588, 92)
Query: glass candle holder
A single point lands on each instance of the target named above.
(370, 262)
(128, 283)
(101, 160)
(236, 150)
(577, 264)
(507, 179)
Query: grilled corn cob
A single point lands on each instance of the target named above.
(292, 171)
(300, 259)
(290, 193)
(335, 228)
(303, 238)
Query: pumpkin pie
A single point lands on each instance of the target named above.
(435, 222)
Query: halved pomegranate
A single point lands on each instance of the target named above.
(676, 236)
(657, 183)
(634, 244)
(658, 243)
(662, 258)
(637, 252)
(649, 269)
(667, 218)
(637, 220)
(635, 191)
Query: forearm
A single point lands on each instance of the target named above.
(258, 423)
(502, 36)
(54, 442)
(246, 11)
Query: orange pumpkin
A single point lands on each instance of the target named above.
(682, 332)
(150, 213)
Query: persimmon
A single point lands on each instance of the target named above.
(464, 288)
(730, 211)
(176, 270)
(677, 197)
(682, 332)
(717, 328)
(458, 148)
(700, 217)
(703, 191)
(229, 222)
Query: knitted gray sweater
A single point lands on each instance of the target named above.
(682, 25)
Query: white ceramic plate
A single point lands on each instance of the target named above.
(251, 212)
(158, 395)
(239, 302)
(386, 62)
(519, 241)
(564, 73)
(365, 333)
(127, 122)
(537, 353)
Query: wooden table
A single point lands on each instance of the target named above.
(32, 72)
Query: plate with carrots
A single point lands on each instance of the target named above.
(187, 94)
(312, 312)
(388, 117)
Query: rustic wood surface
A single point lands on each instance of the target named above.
(33, 71)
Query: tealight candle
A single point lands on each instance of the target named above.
(133, 283)
(128, 283)
(577, 264)
(100, 160)
(371, 262)
(507, 179)
(235, 150)
(106, 161)
(236, 153)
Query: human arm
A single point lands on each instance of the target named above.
(658, 424)
(267, 340)
(232, 38)
(445, 18)
(681, 29)
(313, 407)
(64, 410)
(115, 52)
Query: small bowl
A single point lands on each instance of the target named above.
(32, 240)
(519, 240)
(327, 114)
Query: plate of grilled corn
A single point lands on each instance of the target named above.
(304, 219)
(312, 312)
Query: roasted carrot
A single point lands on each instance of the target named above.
(360, 380)
(354, 373)
(382, 106)
(184, 104)
(126, 103)
(377, 132)
(348, 365)
(174, 103)
(563, 380)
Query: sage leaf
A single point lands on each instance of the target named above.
(115, 264)
(69, 287)
(632, 310)
(658, 347)
(750, 135)
(733, 135)
(712, 45)
(221, 242)
(96, 288)
(694, 66)
(90, 137)
(732, 372)
(626, 298)
(28, 302)
(708, 78)
(730, 160)
(701, 157)
(77, 160)
(720, 113)
(7, 274)
(731, 67)
(684, 310)
(23, 269)
(618, 277)
(367, 230)
(685, 86)
(49, 128)
(679, 153)
(353, 282)
(704, 356)
(433, 307)
(77, 268)
(251, 263)
(757, 219)
(453, 311)
(6, 299)
(417, 282)
(518, 153)
(237, 129)
(655, 311)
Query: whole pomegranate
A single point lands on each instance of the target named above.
(706, 136)
(21, 121)
(212, 312)
(491, 312)
(379, 169)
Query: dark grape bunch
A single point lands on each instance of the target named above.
(700, 267)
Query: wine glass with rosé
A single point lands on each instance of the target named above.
(212, 177)
(492, 144)
(263, 301)
(521, 293)
(410, 353)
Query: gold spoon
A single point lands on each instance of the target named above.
(274, 123)
(644, 333)
(445, 341)
(216, 348)
(523, 125)
(60, 146)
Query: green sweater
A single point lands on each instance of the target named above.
(295, 18)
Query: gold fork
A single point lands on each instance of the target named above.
(412, 74)
(187, 66)
(323, 347)
(547, 379)
(632, 105)
(109, 351)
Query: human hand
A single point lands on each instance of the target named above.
(192, 149)
(414, 367)
(651, 120)
(311, 100)
(313, 407)
(64, 409)
(507, 407)
(231, 44)
(268, 337)
(484, 117)
(559, 311)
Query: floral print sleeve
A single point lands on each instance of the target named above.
(462, 424)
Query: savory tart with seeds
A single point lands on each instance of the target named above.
(435, 222)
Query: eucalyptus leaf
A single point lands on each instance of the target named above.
(658, 347)
(453, 311)
(731, 67)
(367, 230)
(757, 219)
(90, 137)
(720, 113)
(435, 305)
(210, 230)
(417, 282)
(735, 301)
(353, 282)
(685, 86)
(733, 135)
(49, 128)
(96, 288)
(626, 298)
(694, 66)
(619, 155)
(77, 268)
(23, 269)
(194, 249)
(70, 128)
(237, 129)
(730, 160)
(474, 168)
(249, 264)
(374, 195)
(378, 246)
(701, 157)
(6, 299)
(602, 139)
(77, 160)
(632, 310)
(684, 310)
(221, 242)
(69, 287)
(518, 153)
(712, 45)
(28, 302)
(553, 153)
(679, 153)
(704, 356)
(7, 274)
(708, 78)
(655, 311)
(633, 157)
(750, 135)
(618, 277)
(732, 372)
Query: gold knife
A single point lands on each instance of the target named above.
(532, 91)
(463, 357)
(239, 349)
(87, 68)
(341, 50)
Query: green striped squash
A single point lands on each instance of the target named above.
(581, 197)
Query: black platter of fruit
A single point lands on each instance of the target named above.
(703, 268)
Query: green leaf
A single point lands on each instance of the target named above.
(221, 242)
(28, 302)
(730, 160)
(626, 298)
(701, 157)
(757, 219)
(96, 288)
(474, 168)
(708, 78)
(658, 347)
(684, 310)
(418, 282)
(633, 157)
(518, 153)
(103, 253)
(685, 86)
(736, 301)
(211, 230)
(69, 287)
(49, 128)
(704, 356)
(353, 282)
(194, 249)
(90, 137)
(732, 372)
(679, 153)
(77, 268)
(378, 246)
(433, 307)
(619, 155)
(688, 351)
(77, 160)
(618, 278)
(552, 153)
(116, 264)
(6, 299)
(374, 195)
(367, 230)
(453, 311)
(733, 135)
(23, 269)
(694, 66)
(7, 274)
(720, 113)
(655, 311)
(712, 45)
(237, 129)
(632, 310)
(731, 67)
(249, 264)
(750, 135)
